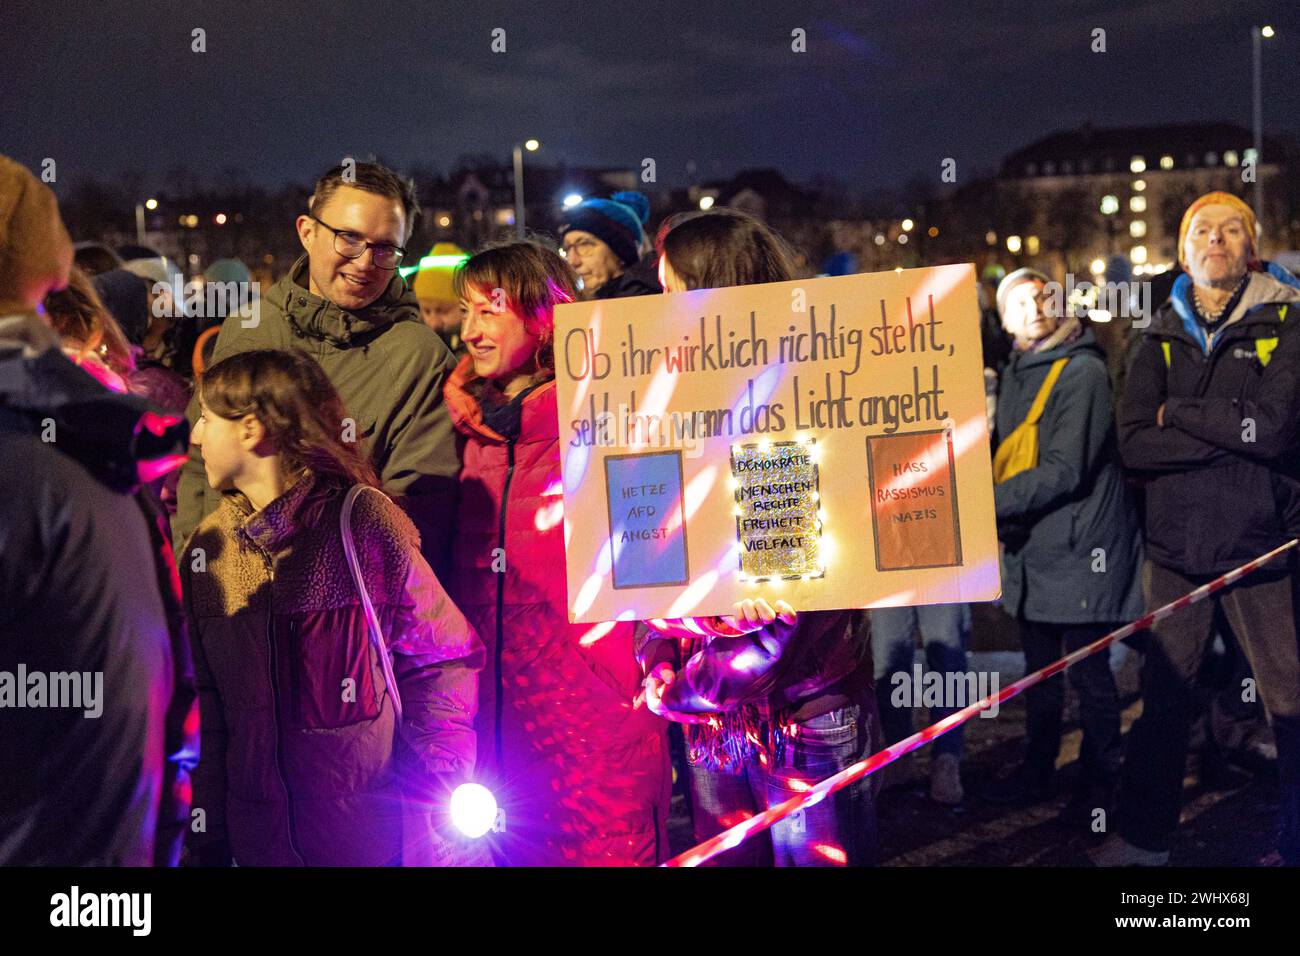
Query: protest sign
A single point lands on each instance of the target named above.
(822, 441)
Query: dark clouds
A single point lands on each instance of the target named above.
(885, 89)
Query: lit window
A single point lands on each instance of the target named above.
(1031, 245)
(1109, 205)
(1166, 162)
(1137, 203)
(880, 238)
(505, 217)
(1138, 254)
(1230, 157)
(1013, 244)
(1139, 185)
(1137, 228)
(1250, 156)
(991, 238)
(1211, 159)
(1137, 165)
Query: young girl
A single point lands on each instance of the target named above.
(318, 736)
(799, 708)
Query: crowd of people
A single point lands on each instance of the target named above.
(315, 553)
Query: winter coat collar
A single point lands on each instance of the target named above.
(540, 418)
(1085, 341)
(316, 317)
(121, 439)
(1273, 285)
(271, 527)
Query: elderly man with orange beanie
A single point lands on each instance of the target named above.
(1212, 503)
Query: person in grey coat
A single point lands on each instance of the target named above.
(1070, 530)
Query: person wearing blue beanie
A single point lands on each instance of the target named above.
(603, 240)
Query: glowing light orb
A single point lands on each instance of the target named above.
(473, 809)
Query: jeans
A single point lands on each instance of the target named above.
(838, 831)
(1260, 610)
(1098, 704)
(945, 632)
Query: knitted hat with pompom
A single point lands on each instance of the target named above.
(618, 221)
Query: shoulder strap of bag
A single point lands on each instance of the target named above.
(1044, 390)
(376, 632)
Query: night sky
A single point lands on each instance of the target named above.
(885, 89)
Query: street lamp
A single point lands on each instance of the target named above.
(1257, 36)
(532, 146)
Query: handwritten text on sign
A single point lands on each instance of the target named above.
(777, 433)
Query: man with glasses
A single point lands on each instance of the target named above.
(345, 304)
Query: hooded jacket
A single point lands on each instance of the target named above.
(1209, 507)
(389, 369)
(582, 777)
(302, 764)
(87, 589)
(1054, 517)
(1274, 409)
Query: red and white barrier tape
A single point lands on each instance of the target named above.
(737, 834)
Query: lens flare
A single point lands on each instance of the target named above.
(473, 809)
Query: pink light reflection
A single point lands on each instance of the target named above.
(693, 595)
(697, 492)
(964, 438)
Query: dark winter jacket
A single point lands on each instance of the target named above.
(87, 586)
(1070, 528)
(582, 777)
(1271, 418)
(389, 369)
(640, 278)
(1208, 508)
(301, 761)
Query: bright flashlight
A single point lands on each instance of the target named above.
(473, 809)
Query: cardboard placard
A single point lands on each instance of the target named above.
(823, 441)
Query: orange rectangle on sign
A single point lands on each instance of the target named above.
(914, 500)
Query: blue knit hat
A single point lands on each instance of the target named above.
(619, 222)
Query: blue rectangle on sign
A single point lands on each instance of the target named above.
(647, 519)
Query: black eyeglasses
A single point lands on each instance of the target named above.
(351, 246)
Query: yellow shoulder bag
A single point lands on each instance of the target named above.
(1019, 450)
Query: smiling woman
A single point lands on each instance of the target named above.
(581, 776)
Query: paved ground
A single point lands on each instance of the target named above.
(1228, 817)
